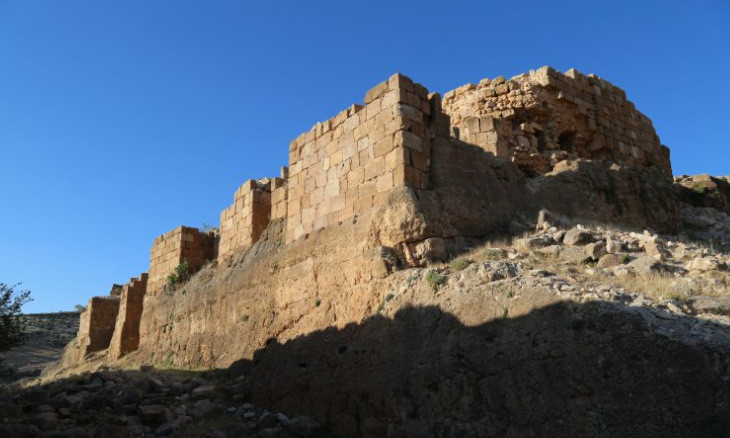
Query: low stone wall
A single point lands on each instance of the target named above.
(351, 162)
(543, 117)
(126, 332)
(170, 249)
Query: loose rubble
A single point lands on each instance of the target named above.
(143, 404)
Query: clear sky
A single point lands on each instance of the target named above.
(120, 120)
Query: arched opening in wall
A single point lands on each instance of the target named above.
(540, 141)
(566, 140)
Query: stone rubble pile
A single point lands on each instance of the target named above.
(699, 274)
(149, 404)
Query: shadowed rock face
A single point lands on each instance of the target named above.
(562, 370)
(565, 369)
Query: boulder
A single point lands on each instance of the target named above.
(577, 236)
(710, 304)
(648, 265)
(596, 250)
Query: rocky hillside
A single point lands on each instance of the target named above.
(46, 335)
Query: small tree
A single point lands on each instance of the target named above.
(79, 308)
(11, 325)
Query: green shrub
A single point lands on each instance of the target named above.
(11, 326)
(435, 279)
(79, 308)
(677, 298)
(317, 302)
(460, 264)
(626, 259)
(180, 274)
(388, 297)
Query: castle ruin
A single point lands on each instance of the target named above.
(352, 163)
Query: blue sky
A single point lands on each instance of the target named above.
(120, 120)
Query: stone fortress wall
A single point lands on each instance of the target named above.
(171, 248)
(125, 338)
(545, 116)
(350, 162)
(96, 325)
(353, 161)
(243, 222)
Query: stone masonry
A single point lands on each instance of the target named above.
(97, 323)
(170, 249)
(351, 162)
(243, 222)
(126, 332)
(543, 117)
(355, 160)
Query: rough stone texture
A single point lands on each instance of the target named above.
(350, 163)
(97, 323)
(170, 249)
(243, 222)
(279, 196)
(325, 307)
(126, 331)
(706, 191)
(540, 118)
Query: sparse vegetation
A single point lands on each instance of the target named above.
(388, 297)
(180, 275)
(626, 259)
(317, 302)
(510, 293)
(492, 254)
(677, 298)
(459, 264)
(390, 256)
(505, 313)
(11, 327)
(168, 362)
(79, 308)
(435, 279)
(244, 318)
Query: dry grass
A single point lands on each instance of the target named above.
(664, 286)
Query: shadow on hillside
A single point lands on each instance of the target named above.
(563, 370)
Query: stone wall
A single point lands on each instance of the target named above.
(97, 323)
(278, 198)
(126, 332)
(243, 222)
(170, 249)
(543, 117)
(352, 161)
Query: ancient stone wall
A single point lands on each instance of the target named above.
(243, 222)
(351, 162)
(170, 249)
(126, 332)
(97, 323)
(543, 117)
(278, 198)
